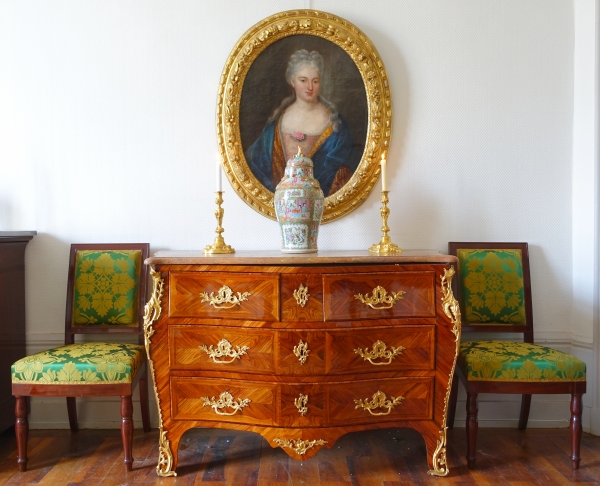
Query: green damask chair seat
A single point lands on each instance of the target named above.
(85, 363)
(518, 362)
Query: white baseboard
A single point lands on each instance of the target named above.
(92, 413)
(547, 411)
(595, 421)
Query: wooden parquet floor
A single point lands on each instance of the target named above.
(391, 457)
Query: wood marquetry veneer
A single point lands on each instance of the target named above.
(302, 349)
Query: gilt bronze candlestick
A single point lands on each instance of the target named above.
(385, 245)
(219, 245)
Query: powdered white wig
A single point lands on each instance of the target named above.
(299, 60)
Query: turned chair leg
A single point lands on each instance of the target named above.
(144, 404)
(72, 409)
(21, 431)
(127, 430)
(524, 415)
(472, 427)
(452, 403)
(576, 409)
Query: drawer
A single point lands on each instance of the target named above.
(379, 295)
(302, 405)
(300, 353)
(380, 401)
(301, 297)
(223, 401)
(224, 295)
(381, 349)
(221, 349)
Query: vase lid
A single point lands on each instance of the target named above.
(299, 160)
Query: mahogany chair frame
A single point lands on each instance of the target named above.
(473, 388)
(22, 391)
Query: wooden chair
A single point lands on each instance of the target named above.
(106, 294)
(493, 289)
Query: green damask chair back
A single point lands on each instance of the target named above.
(106, 290)
(493, 287)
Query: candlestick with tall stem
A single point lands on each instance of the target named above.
(385, 245)
(219, 245)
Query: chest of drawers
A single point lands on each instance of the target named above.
(302, 349)
(12, 314)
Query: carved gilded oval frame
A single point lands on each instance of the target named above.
(272, 35)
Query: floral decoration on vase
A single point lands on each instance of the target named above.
(299, 206)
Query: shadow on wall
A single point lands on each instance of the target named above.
(341, 234)
(46, 269)
(545, 282)
(400, 89)
(415, 220)
(398, 81)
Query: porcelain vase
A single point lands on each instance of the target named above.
(299, 206)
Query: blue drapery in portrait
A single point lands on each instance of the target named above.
(336, 152)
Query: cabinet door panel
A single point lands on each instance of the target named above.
(373, 401)
(392, 295)
(230, 401)
(388, 349)
(221, 349)
(224, 295)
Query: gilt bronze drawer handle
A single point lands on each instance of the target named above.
(299, 446)
(301, 295)
(301, 404)
(380, 298)
(379, 401)
(225, 298)
(225, 400)
(301, 351)
(224, 348)
(380, 351)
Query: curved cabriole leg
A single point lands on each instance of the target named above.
(435, 442)
(21, 431)
(72, 409)
(172, 446)
(576, 409)
(471, 429)
(127, 430)
(144, 404)
(168, 445)
(524, 415)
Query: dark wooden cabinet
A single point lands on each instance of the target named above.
(12, 315)
(302, 349)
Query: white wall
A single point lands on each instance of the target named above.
(585, 198)
(107, 133)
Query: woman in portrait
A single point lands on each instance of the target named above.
(306, 120)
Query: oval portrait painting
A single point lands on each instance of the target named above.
(304, 91)
(310, 81)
